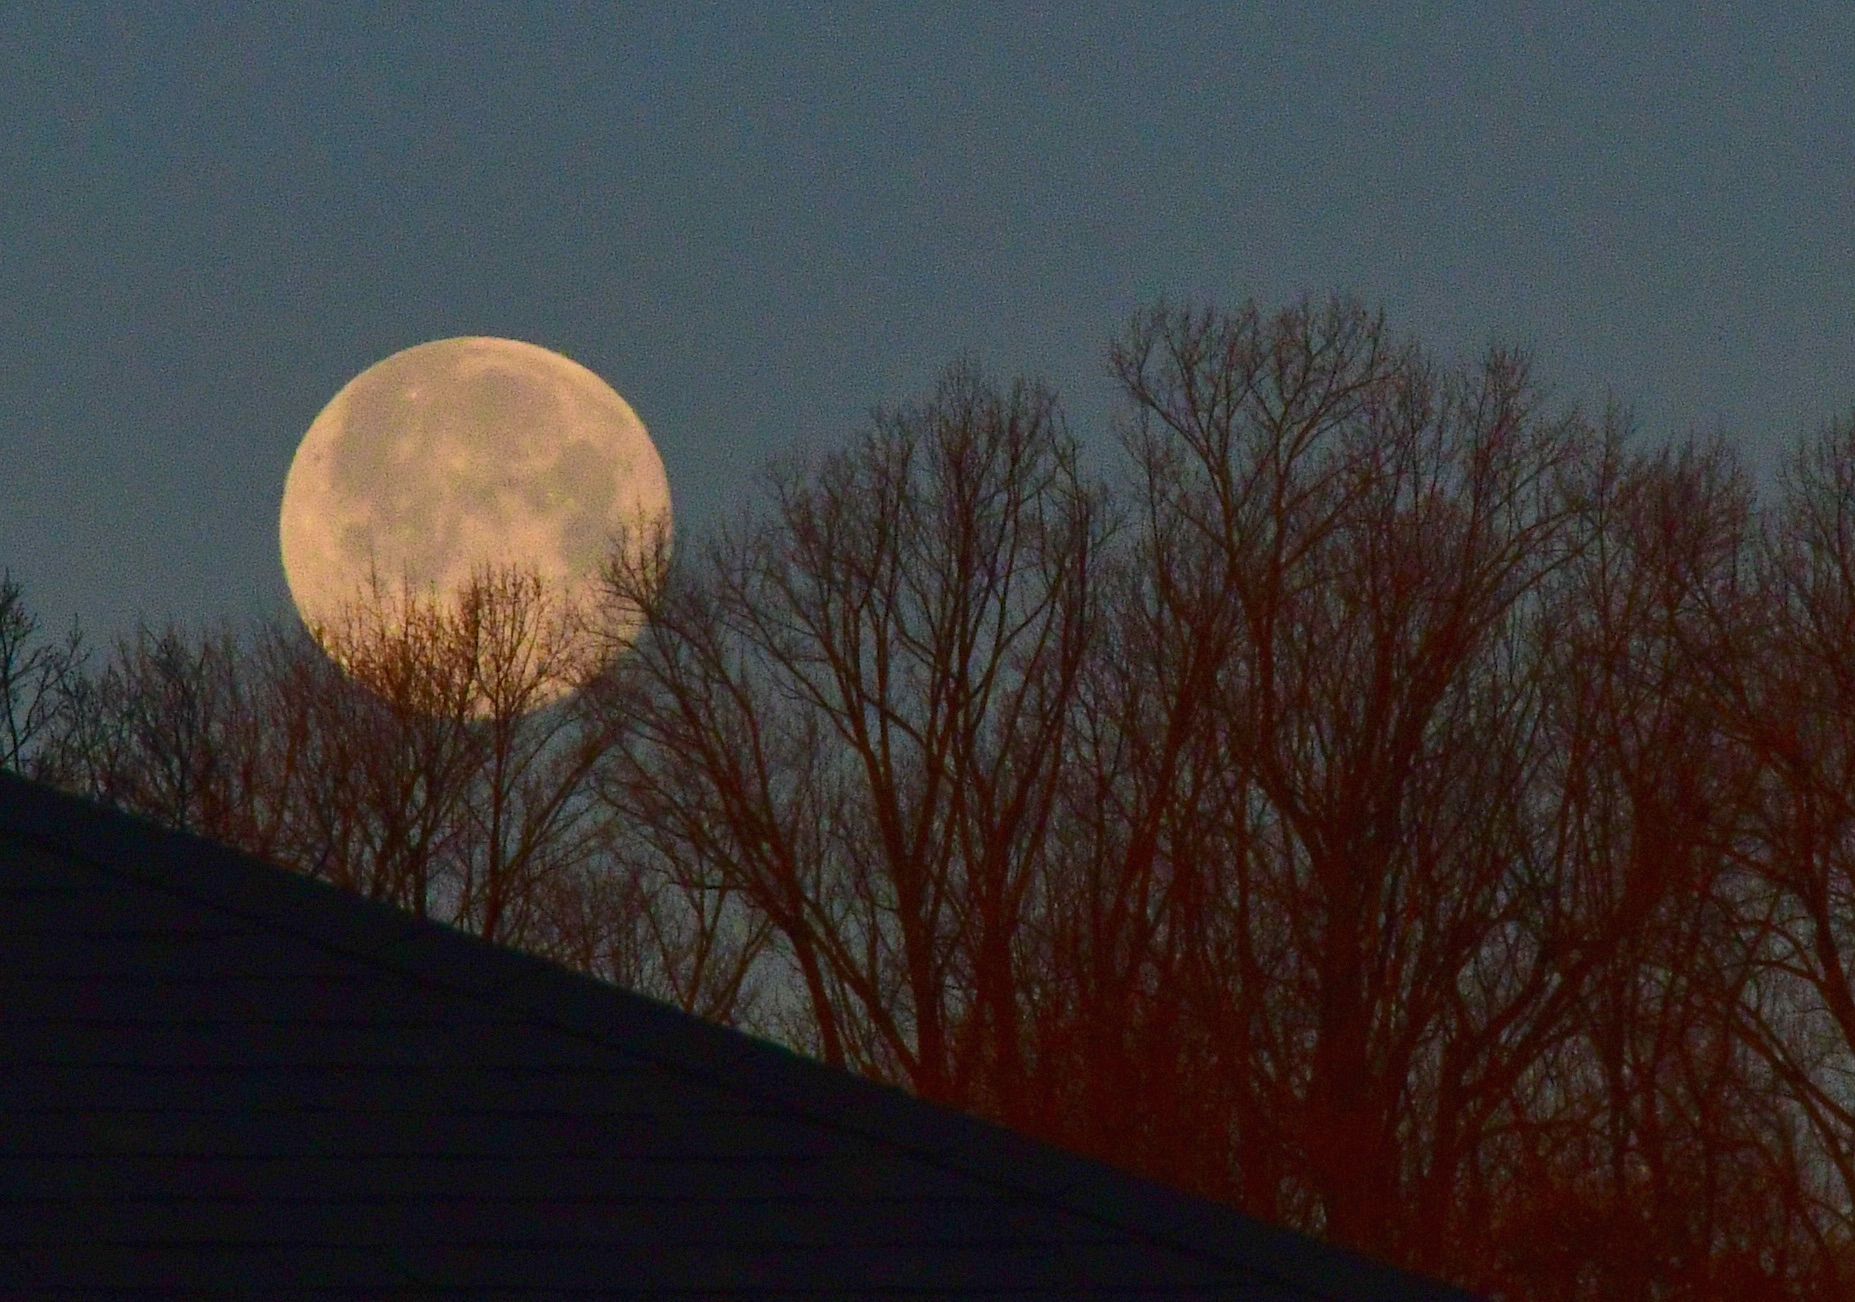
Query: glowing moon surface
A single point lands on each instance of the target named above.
(462, 454)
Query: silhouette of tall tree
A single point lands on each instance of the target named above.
(1645, 1138)
(1348, 538)
(1790, 695)
(37, 678)
(854, 713)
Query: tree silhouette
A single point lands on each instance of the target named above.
(1789, 696)
(1383, 804)
(854, 717)
(1364, 538)
(37, 679)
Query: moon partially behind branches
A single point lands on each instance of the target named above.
(461, 455)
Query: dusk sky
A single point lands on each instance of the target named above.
(757, 222)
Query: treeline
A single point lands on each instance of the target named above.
(1384, 805)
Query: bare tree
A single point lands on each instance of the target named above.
(854, 715)
(37, 679)
(411, 764)
(144, 734)
(1791, 697)
(1352, 837)
(1349, 534)
(394, 747)
(450, 761)
(1646, 1151)
(1391, 632)
(526, 813)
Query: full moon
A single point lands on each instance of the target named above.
(462, 455)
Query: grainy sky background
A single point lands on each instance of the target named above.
(759, 221)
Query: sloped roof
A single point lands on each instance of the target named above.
(216, 1074)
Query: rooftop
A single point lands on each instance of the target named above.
(219, 1075)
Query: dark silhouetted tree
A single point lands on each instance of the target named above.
(38, 680)
(854, 714)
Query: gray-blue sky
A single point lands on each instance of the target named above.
(757, 222)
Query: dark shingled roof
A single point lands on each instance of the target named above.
(218, 1075)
